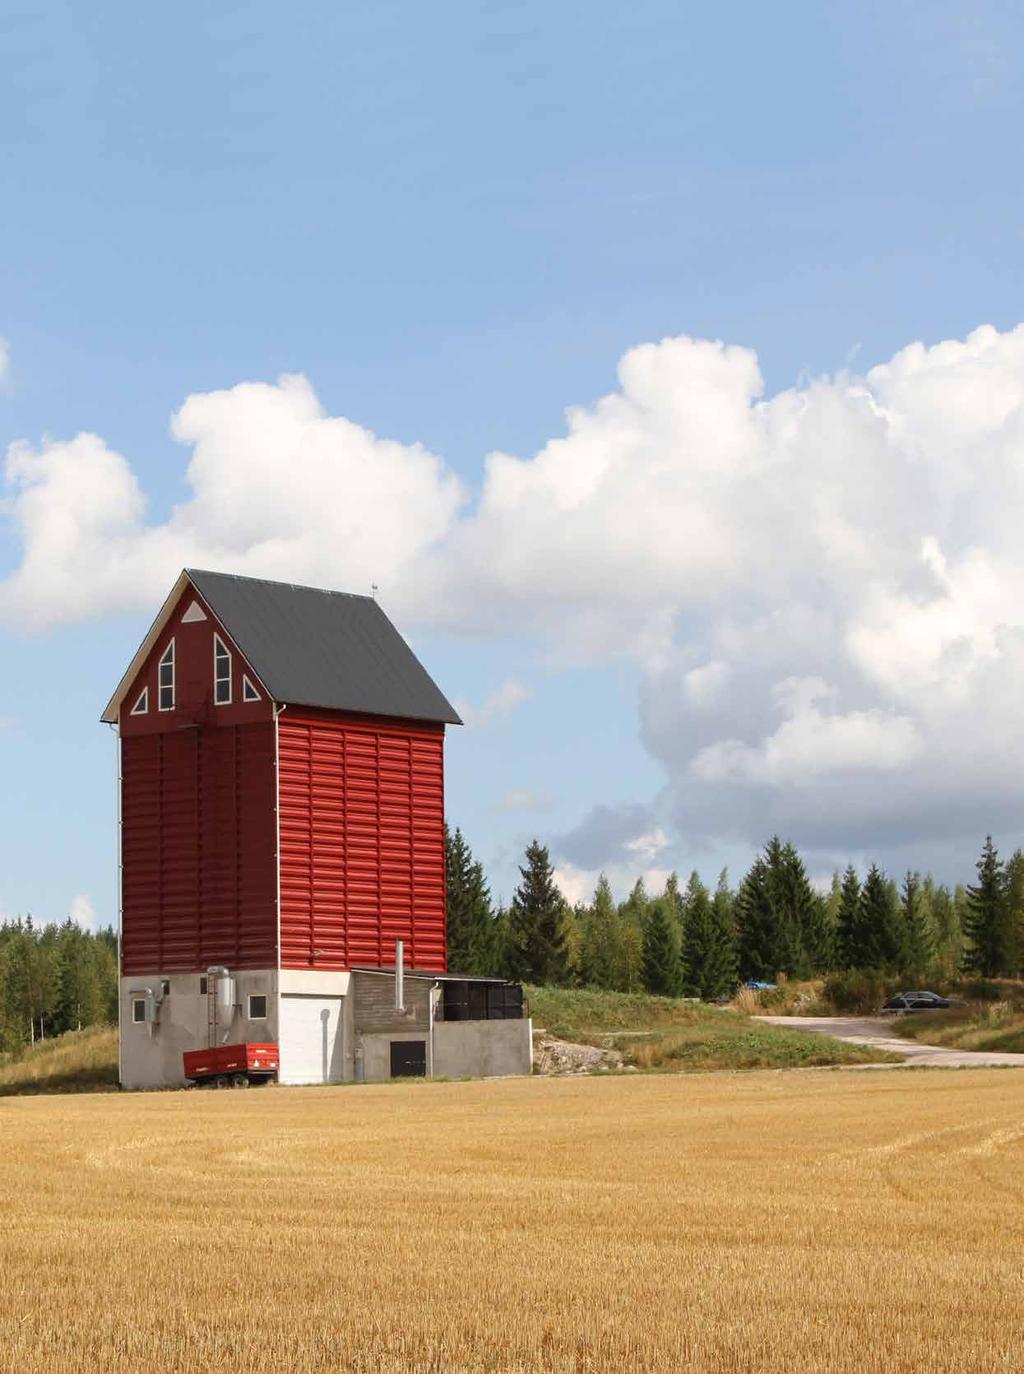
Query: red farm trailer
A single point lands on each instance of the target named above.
(233, 1066)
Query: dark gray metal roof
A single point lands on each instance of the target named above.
(318, 648)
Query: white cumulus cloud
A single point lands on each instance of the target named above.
(822, 589)
(81, 912)
(515, 799)
(503, 700)
(278, 488)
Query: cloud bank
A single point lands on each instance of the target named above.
(823, 589)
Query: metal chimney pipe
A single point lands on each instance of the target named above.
(399, 975)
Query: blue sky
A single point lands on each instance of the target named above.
(454, 222)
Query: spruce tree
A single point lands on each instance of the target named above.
(775, 912)
(720, 975)
(79, 999)
(698, 936)
(989, 950)
(535, 921)
(470, 915)
(791, 899)
(880, 938)
(661, 952)
(672, 899)
(919, 945)
(848, 952)
(708, 957)
(817, 934)
(756, 944)
(1015, 900)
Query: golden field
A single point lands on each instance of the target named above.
(797, 1221)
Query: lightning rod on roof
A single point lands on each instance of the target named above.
(373, 590)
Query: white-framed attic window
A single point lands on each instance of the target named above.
(249, 692)
(165, 679)
(141, 707)
(221, 672)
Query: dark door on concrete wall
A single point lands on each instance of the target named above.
(408, 1059)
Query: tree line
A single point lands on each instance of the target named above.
(687, 940)
(703, 942)
(53, 979)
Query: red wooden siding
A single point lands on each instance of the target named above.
(362, 841)
(199, 871)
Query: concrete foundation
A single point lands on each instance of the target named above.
(151, 1051)
(330, 1027)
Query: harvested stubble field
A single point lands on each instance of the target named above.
(803, 1221)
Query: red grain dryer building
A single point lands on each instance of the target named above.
(282, 827)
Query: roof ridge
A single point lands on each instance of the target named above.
(277, 582)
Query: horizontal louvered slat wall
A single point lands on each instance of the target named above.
(362, 841)
(198, 849)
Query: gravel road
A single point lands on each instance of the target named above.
(877, 1031)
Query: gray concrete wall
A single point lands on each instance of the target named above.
(151, 1055)
(482, 1049)
(376, 1050)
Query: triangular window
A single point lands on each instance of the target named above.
(194, 613)
(142, 705)
(249, 692)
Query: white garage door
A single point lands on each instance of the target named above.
(310, 1039)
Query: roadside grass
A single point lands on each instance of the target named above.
(580, 1014)
(996, 1027)
(80, 1061)
(681, 1035)
(792, 997)
(737, 1044)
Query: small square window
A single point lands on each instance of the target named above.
(257, 1006)
(165, 987)
(204, 986)
(138, 1009)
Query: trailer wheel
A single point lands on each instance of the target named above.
(221, 1081)
(240, 1080)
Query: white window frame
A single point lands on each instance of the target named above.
(167, 659)
(221, 651)
(141, 707)
(138, 1002)
(249, 692)
(266, 1006)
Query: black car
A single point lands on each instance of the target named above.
(916, 1001)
